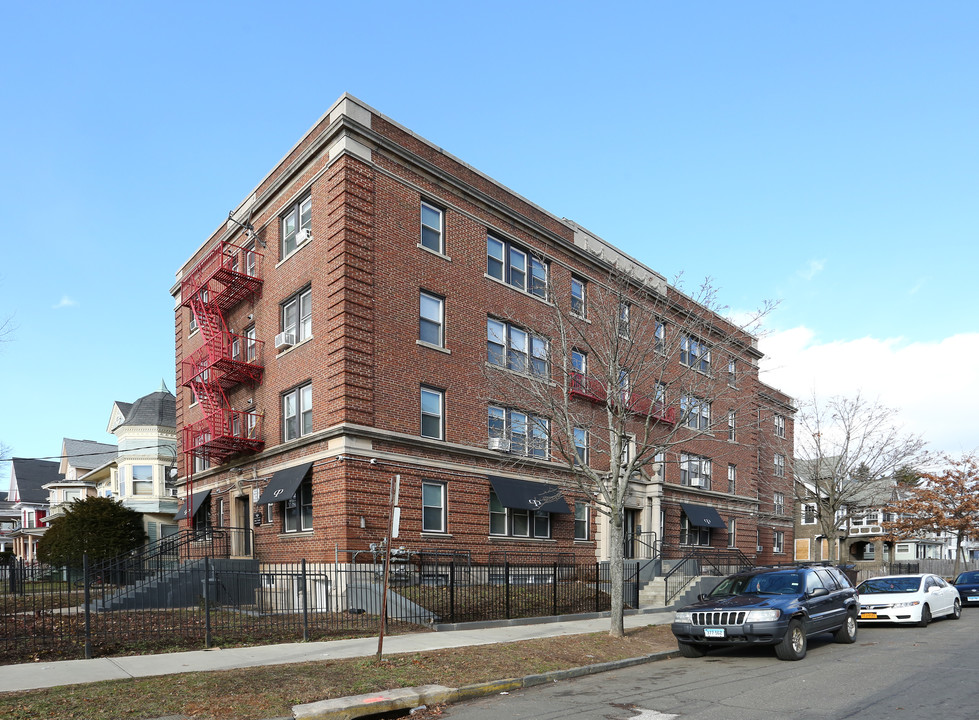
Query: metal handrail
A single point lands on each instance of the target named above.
(696, 562)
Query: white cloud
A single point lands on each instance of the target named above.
(64, 302)
(934, 385)
(812, 269)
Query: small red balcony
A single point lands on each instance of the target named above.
(228, 360)
(224, 433)
(235, 270)
(594, 391)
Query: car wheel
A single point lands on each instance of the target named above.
(925, 616)
(956, 609)
(692, 651)
(793, 645)
(848, 632)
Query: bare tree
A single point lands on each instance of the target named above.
(840, 444)
(610, 385)
(944, 503)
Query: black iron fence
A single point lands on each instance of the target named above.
(150, 604)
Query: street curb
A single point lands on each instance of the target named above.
(359, 706)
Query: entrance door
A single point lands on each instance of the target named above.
(241, 537)
(630, 531)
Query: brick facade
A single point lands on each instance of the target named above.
(367, 178)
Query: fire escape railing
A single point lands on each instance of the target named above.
(594, 390)
(227, 275)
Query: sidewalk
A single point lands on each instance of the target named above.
(30, 676)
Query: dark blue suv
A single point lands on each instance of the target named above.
(781, 606)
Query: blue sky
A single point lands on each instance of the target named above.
(823, 155)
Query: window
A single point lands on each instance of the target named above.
(509, 263)
(731, 436)
(298, 510)
(527, 434)
(579, 362)
(142, 479)
(515, 349)
(297, 412)
(694, 471)
(581, 446)
(732, 372)
(581, 521)
(250, 344)
(779, 465)
(432, 401)
(780, 426)
(778, 503)
(778, 541)
(193, 318)
(202, 518)
(431, 309)
(517, 523)
(691, 534)
(200, 463)
(659, 337)
(578, 306)
(695, 412)
(251, 425)
(433, 507)
(220, 513)
(251, 259)
(732, 535)
(431, 232)
(732, 479)
(694, 354)
(297, 315)
(297, 218)
(624, 311)
(809, 514)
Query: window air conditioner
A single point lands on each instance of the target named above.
(285, 340)
(304, 235)
(697, 482)
(172, 492)
(759, 549)
(501, 444)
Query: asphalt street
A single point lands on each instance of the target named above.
(890, 673)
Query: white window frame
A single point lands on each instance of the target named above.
(437, 232)
(514, 348)
(295, 520)
(695, 354)
(431, 314)
(579, 297)
(695, 412)
(298, 217)
(779, 465)
(302, 398)
(695, 467)
(437, 396)
(527, 434)
(732, 479)
(625, 312)
(516, 267)
(779, 426)
(809, 514)
(690, 534)
(778, 503)
(582, 521)
(732, 539)
(519, 523)
(441, 507)
(778, 541)
(146, 484)
(301, 326)
(580, 446)
(732, 435)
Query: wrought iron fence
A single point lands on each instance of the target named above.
(114, 608)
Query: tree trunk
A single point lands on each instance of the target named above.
(616, 562)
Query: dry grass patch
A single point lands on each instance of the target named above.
(267, 692)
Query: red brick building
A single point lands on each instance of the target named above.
(333, 333)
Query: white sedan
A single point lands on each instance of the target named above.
(907, 599)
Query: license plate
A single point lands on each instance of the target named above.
(973, 598)
(868, 616)
(714, 632)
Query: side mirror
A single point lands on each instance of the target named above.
(819, 592)
(702, 596)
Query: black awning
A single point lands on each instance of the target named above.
(196, 500)
(284, 484)
(526, 495)
(702, 516)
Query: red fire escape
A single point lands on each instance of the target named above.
(594, 391)
(226, 276)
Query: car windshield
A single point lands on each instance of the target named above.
(967, 577)
(778, 583)
(876, 586)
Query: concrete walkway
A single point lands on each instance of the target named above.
(32, 676)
